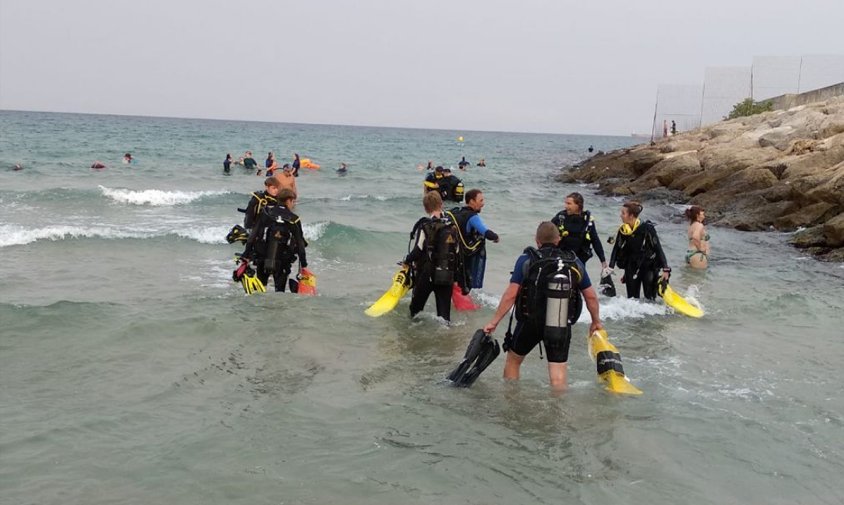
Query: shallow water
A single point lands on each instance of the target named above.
(134, 371)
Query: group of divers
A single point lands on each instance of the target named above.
(548, 286)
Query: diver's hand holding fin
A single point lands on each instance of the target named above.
(481, 352)
(608, 364)
(238, 272)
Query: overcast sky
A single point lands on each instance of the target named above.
(519, 65)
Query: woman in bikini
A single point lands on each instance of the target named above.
(697, 255)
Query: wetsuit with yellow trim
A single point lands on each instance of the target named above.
(259, 200)
(473, 235)
(638, 251)
(579, 235)
(432, 180)
(275, 243)
(451, 188)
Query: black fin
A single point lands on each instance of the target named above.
(607, 287)
(489, 352)
(469, 356)
(293, 284)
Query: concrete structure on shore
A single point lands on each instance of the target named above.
(769, 77)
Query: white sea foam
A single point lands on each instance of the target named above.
(313, 231)
(206, 235)
(155, 197)
(347, 198)
(16, 235)
(617, 308)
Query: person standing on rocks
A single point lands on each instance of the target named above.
(637, 250)
(697, 255)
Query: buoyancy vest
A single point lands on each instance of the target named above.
(635, 246)
(260, 200)
(574, 233)
(470, 243)
(542, 265)
(441, 249)
(278, 242)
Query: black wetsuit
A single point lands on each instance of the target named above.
(259, 200)
(641, 256)
(423, 268)
(579, 235)
(275, 243)
(448, 187)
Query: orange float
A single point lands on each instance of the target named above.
(307, 163)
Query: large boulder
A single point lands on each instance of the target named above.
(781, 169)
(833, 231)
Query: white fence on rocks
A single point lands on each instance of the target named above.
(691, 106)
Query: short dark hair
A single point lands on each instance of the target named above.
(547, 233)
(472, 194)
(271, 181)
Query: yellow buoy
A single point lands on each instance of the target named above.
(460, 139)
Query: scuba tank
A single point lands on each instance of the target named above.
(270, 254)
(444, 251)
(558, 291)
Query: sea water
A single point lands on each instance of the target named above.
(133, 370)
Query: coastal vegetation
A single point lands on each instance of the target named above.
(748, 107)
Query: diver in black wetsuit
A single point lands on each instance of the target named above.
(577, 230)
(277, 241)
(637, 250)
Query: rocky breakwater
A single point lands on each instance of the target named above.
(781, 170)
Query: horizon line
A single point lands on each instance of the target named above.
(316, 124)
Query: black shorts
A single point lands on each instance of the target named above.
(526, 336)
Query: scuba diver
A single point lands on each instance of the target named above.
(463, 164)
(260, 200)
(432, 181)
(545, 297)
(227, 164)
(451, 187)
(637, 250)
(577, 230)
(473, 234)
(343, 169)
(276, 241)
(433, 257)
